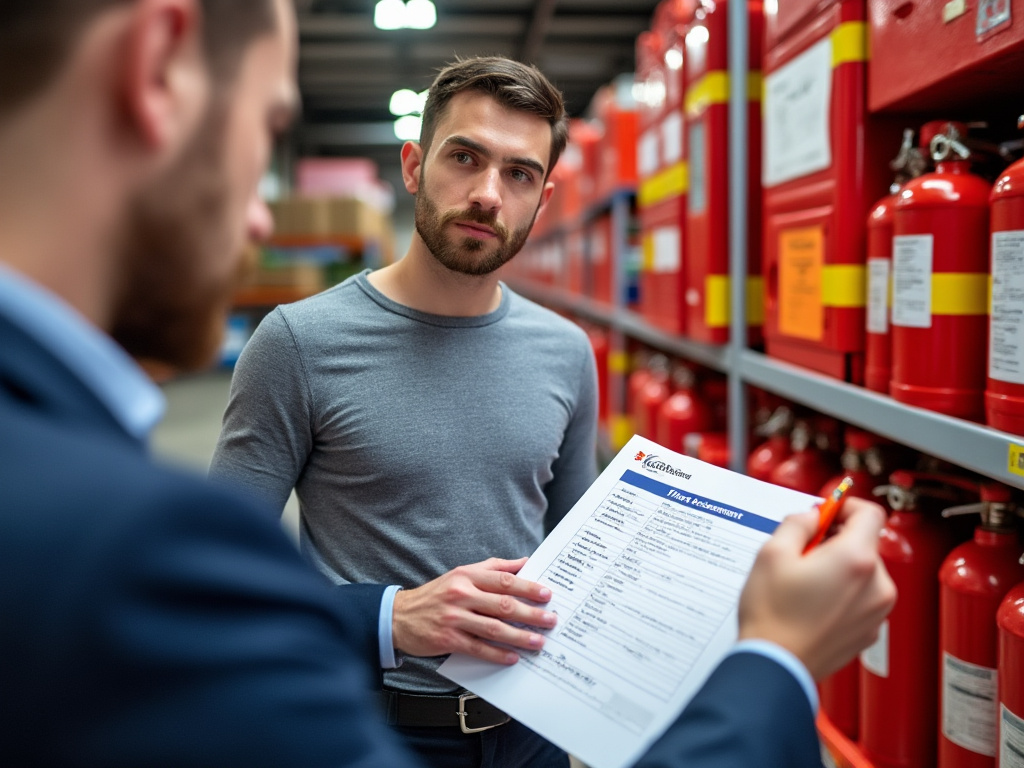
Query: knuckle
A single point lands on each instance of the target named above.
(506, 605)
(506, 580)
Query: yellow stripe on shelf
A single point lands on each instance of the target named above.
(844, 285)
(618, 362)
(960, 293)
(672, 182)
(647, 265)
(850, 43)
(755, 85)
(717, 303)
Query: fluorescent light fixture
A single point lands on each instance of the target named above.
(389, 14)
(405, 102)
(408, 128)
(420, 14)
(395, 14)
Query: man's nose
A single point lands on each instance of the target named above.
(486, 192)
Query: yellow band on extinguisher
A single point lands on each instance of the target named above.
(621, 429)
(672, 182)
(960, 293)
(618, 362)
(717, 303)
(713, 88)
(647, 263)
(844, 285)
(849, 43)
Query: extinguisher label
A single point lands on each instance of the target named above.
(797, 97)
(668, 250)
(969, 705)
(1006, 329)
(878, 295)
(647, 154)
(1011, 739)
(912, 281)
(801, 309)
(875, 658)
(672, 138)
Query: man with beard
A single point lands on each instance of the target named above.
(427, 416)
(150, 618)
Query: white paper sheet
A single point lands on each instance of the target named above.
(646, 571)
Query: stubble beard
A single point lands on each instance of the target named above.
(170, 311)
(468, 256)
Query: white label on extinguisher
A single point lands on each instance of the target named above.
(875, 658)
(1011, 739)
(647, 154)
(878, 295)
(672, 137)
(668, 250)
(969, 705)
(912, 281)
(1006, 329)
(797, 99)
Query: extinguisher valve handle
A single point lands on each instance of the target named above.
(964, 509)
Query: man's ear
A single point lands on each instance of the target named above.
(165, 83)
(545, 196)
(412, 163)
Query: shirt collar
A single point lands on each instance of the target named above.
(102, 365)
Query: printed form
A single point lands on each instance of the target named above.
(646, 571)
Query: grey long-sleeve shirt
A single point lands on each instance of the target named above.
(415, 442)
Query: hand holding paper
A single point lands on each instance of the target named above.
(466, 610)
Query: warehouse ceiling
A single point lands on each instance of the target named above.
(348, 69)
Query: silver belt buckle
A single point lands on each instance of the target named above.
(462, 715)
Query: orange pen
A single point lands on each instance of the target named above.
(827, 511)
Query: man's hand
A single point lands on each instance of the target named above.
(466, 610)
(826, 606)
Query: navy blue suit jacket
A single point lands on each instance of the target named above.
(150, 618)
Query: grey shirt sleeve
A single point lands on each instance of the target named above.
(267, 432)
(575, 469)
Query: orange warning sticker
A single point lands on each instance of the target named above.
(801, 253)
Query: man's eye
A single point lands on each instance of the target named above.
(520, 175)
(463, 157)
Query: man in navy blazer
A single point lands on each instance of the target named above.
(148, 617)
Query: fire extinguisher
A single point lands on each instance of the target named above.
(652, 396)
(710, 447)
(974, 579)
(1004, 393)
(908, 164)
(776, 449)
(639, 374)
(899, 672)
(863, 462)
(1010, 620)
(809, 466)
(683, 411)
(940, 282)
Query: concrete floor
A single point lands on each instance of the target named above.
(188, 433)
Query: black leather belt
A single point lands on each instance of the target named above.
(466, 710)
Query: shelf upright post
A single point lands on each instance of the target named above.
(739, 32)
(617, 344)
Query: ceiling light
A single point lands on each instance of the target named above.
(420, 14)
(394, 14)
(405, 102)
(674, 57)
(389, 14)
(408, 128)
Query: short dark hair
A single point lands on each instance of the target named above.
(515, 85)
(36, 37)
